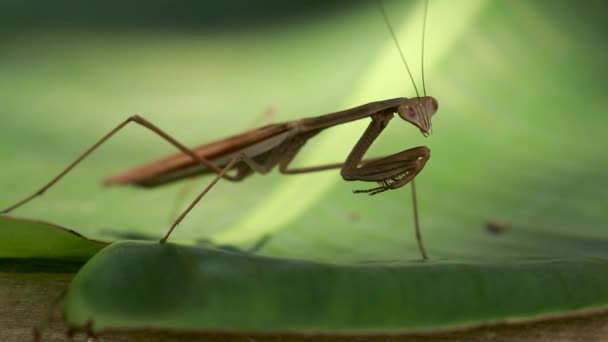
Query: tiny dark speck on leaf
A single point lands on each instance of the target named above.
(496, 226)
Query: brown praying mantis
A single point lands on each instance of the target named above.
(261, 150)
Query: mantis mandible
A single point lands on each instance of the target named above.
(261, 150)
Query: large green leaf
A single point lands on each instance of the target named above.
(518, 137)
(135, 285)
(515, 137)
(30, 239)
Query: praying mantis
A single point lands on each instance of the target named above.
(263, 149)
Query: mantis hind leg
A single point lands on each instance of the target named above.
(136, 119)
(238, 160)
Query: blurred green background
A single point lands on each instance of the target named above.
(518, 137)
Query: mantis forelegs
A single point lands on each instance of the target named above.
(391, 171)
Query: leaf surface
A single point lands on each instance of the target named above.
(139, 285)
(32, 239)
(517, 144)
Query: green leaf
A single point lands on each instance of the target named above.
(518, 139)
(138, 285)
(22, 238)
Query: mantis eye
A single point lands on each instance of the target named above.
(434, 104)
(410, 112)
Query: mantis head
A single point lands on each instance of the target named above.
(419, 111)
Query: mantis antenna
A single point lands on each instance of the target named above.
(390, 28)
(426, 10)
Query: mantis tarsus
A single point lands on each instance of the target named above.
(264, 148)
